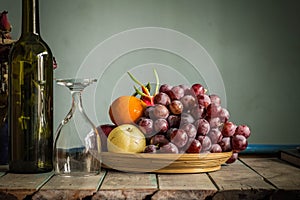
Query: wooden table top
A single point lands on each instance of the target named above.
(247, 178)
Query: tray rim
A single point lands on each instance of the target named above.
(189, 161)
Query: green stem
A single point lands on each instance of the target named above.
(139, 83)
(134, 79)
(140, 92)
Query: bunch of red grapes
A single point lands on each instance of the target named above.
(187, 120)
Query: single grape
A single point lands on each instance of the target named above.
(190, 130)
(185, 88)
(202, 126)
(195, 147)
(214, 122)
(215, 99)
(148, 112)
(206, 143)
(160, 111)
(179, 137)
(239, 143)
(187, 145)
(225, 144)
(150, 149)
(174, 121)
(213, 110)
(145, 125)
(203, 100)
(233, 158)
(176, 107)
(168, 148)
(216, 148)
(186, 118)
(243, 130)
(198, 89)
(161, 126)
(159, 140)
(189, 91)
(164, 88)
(224, 115)
(188, 101)
(228, 129)
(215, 135)
(176, 93)
(168, 133)
(197, 111)
(162, 98)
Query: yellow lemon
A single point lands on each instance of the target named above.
(126, 138)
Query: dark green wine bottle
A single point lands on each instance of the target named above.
(30, 97)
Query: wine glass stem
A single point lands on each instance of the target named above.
(77, 104)
(77, 101)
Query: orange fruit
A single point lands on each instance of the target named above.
(126, 110)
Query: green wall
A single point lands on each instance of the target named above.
(255, 44)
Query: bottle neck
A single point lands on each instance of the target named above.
(30, 17)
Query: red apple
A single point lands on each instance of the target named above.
(104, 130)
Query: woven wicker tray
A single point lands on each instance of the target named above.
(165, 163)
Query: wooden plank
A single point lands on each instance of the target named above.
(59, 187)
(237, 181)
(279, 173)
(282, 175)
(184, 186)
(291, 155)
(119, 185)
(18, 186)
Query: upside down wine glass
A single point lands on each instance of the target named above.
(77, 144)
